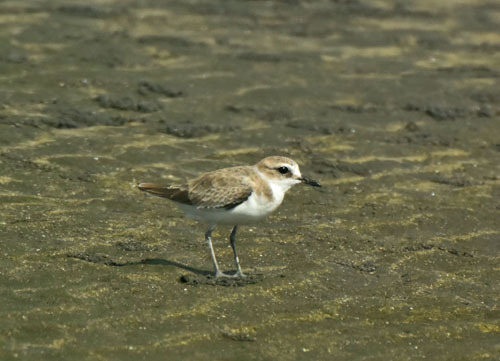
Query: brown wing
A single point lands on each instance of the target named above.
(219, 189)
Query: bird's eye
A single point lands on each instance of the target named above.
(283, 170)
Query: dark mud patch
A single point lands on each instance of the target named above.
(135, 246)
(356, 109)
(190, 129)
(210, 280)
(367, 267)
(317, 128)
(88, 11)
(18, 161)
(430, 247)
(96, 258)
(75, 118)
(455, 181)
(276, 115)
(338, 167)
(445, 113)
(147, 88)
(470, 71)
(170, 41)
(127, 104)
(418, 137)
(265, 57)
(240, 109)
(411, 127)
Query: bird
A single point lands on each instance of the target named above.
(233, 196)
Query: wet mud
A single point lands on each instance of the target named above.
(394, 106)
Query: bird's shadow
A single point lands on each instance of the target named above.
(202, 277)
(166, 262)
(197, 277)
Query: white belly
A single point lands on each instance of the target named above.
(252, 210)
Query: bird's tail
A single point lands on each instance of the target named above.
(175, 193)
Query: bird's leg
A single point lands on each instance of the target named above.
(208, 238)
(232, 238)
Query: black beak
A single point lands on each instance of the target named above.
(309, 182)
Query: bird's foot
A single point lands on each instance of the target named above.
(219, 274)
(239, 274)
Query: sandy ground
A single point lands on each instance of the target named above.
(394, 106)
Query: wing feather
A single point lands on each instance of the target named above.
(224, 188)
(219, 190)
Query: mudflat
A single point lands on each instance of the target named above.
(394, 106)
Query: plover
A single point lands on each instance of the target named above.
(233, 196)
